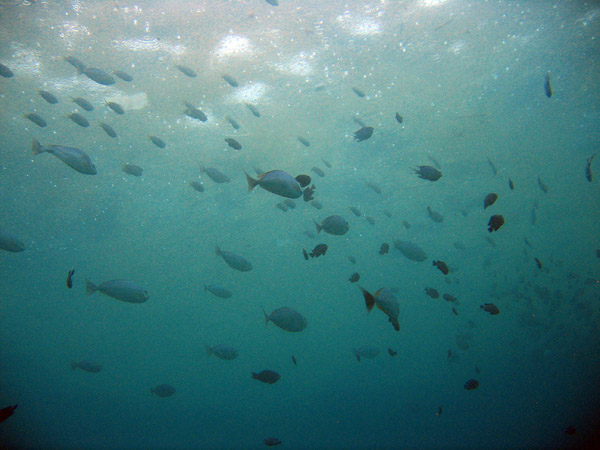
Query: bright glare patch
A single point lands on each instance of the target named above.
(150, 44)
(297, 65)
(250, 93)
(233, 45)
(432, 3)
(359, 26)
(129, 102)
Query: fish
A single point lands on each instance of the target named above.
(492, 166)
(282, 206)
(439, 411)
(358, 92)
(434, 215)
(454, 311)
(7, 411)
(108, 130)
(194, 113)
(79, 119)
(230, 80)
(533, 216)
(73, 157)
(253, 109)
(287, 319)
(218, 291)
(538, 263)
(385, 247)
(489, 200)
(197, 186)
(294, 360)
(99, 76)
(370, 219)
(399, 118)
(232, 122)
(366, 351)
(305, 254)
(123, 290)
(354, 277)
(157, 141)
(132, 169)
(163, 390)
(75, 62)
(388, 213)
(320, 249)
(290, 203)
(233, 143)
(358, 121)
(123, 75)
(471, 384)
(233, 260)
(491, 308)
(273, 2)
(5, 71)
(87, 366)
(10, 243)
(547, 86)
(70, 278)
(386, 301)
(266, 376)
(115, 107)
(433, 293)
(392, 352)
(303, 141)
(511, 185)
(186, 71)
(37, 119)
(458, 245)
(315, 203)
(355, 211)
(442, 266)
(374, 187)
(406, 225)
(335, 225)
(542, 185)
(310, 234)
(277, 182)
(50, 98)
(352, 259)
(450, 298)
(427, 173)
(318, 171)
(363, 134)
(83, 103)
(496, 221)
(271, 442)
(221, 351)
(304, 180)
(215, 174)
(588, 168)
(410, 250)
(327, 163)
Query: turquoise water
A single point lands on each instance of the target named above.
(468, 79)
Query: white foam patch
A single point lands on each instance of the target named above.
(233, 45)
(249, 93)
(299, 65)
(359, 26)
(150, 44)
(129, 102)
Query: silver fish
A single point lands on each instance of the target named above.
(72, 157)
(234, 261)
(222, 351)
(277, 182)
(123, 290)
(287, 319)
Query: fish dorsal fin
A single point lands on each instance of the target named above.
(369, 299)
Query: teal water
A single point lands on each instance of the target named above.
(468, 78)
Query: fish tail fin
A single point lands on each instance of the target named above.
(395, 324)
(90, 287)
(36, 147)
(369, 299)
(73, 365)
(208, 349)
(319, 226)
(251, 181)
(266, 316)
(217, 250)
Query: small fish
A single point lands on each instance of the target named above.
(547, 86)
(538, 263)
(327, 163)
(450, 298)
(366, 351)
(355, 211)
(37, 119)
(352, 259)
(232, 122)
(194, 113)
(303, 141)
(79, 119)
(272, 442)
(290, 203)
(273, 3)
(320, 249)
(454, 311)
(218, 291)
(471, 384)
(363, 134)
(542, 185)
(533, 216)
(277, 182)
(6, 72)
(305, 254)
(294, 360)
(385, 301)
(511, 185)
(406, 225)
(304, 180)
(87, 366)
(427, 173)
(70, 278)
(186, 71)
(230, 80)
(492, 166)
(442, 266)
(197, 186)
(253, 109)
(233, 260)
(123, 75)
(221, 351)
(308, 195)
(388, 213)
(392, 352)
(434, 215)
(123, 290)
(399, 118)
(354, 277)
(287, 319)
(374, 187)
(233, 143)
(439, 411)
(115, 107)
(108, 130)
(50, 98)
(7, 411)
(282, 206)
(358, 92)
(358, 121)
(433, 293)
(75, 62)
(588, 168)
(491, 308)
(496, 221)
(310, 234)
(83, 103)
(489, 200)
(385, 247)
(318, 171)
(132, 169)
(370, 219)
(266, 376)
(163, 390)
(157, 141)
(99, 76)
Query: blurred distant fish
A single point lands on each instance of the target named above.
(10, 243)
(588, 168)
(354, 277)
(304, 141)
(355, 211)
(37, 119)
(294, 360)
(197, 186)
(366, 351)
(442, 266)
(433, 293)
(233, 260)
(388, 213)
(163, 390)
(363, 134)
(273, 2)
(222, 351)
(99, 76)
(73, 157)
(399, 118)
(79, 119)
(290, 203)
(318, 171)
(7, 411)
(406, 225)
(358, 92)
(386, 301)
(232, 122)
(434, 215)
(359, 121)
(75, 62)
(157, 141)
(511, 185)
(320, 249)
(410, 250)
(123, 75)
(542, 185)
(495, 222)
(70, 279)
(5, 71)
(194, 113)
(547, 86)
(123, 290)
(108, 130)
(434, 161)
(392, 352)
(266, 376)
(370, 219)
(489, 200)
(385, 247)
(87, 366)
(327, 163)
(186, 70)
(253, 109)
(115, 107)
(427, 173)
(316, 204)
(277, 182)
(282, 206)
(49, 97)
(83, 103)
(352, 259)
(492, 166)
(230, 80)
(234, 144)
(132, 169)
(217, 290)
(374, 187)
(287, 319)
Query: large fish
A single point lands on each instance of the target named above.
(277, 182)
(72, 157)
(234, 261)
(287, 319)
(123, 290)
(386, 302)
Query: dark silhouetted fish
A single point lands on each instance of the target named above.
(542, 185)
(450, 298)
(272, 442)
(492, 166)
(194, 113)
(392, 352)
(305, 254)
(186, 71)
(327, 163)
(434, 215)
(6, 412)
(489, 200)
(233, 260)
(355, 211)
(79, 119)
(83, 103)
(294, 360)
(50, 98)
(73, 157)
(273, 2)
(304, 141)
(197, 186)
(157, 141)
(352, 259)
(232, 122)
(354, 277)
(433, 293)
(287, 319)
(511, 185)
(399, 118)
(410, 250)
(230, 80)
(99, 76)
(278, 182)
(496, 221)
(123, 75)
(215, 174)
(253, 109)
(132, 169)
(370, 219)
(442, 266)
(491, 308)
(588, 168)
(547, 86)
(471, 384)
(428, 173)
(5, 71)
(386, 301)
(406, 225)
(282, 206)
(37, 119)
(70, 279)
(304, 180)
(233, 143)
(308, 195)
(538, 262)
(108, 130)
(318, 171)
(335, 225)
(358, 92)
(374, 187)
(385, 247)
(75, 62)
(115, 107)
(266, 376)
(320, 249)
(366, 351)
(290, 203)
(221, 351)
(363, 134)
(10, 243)
(163, 390)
